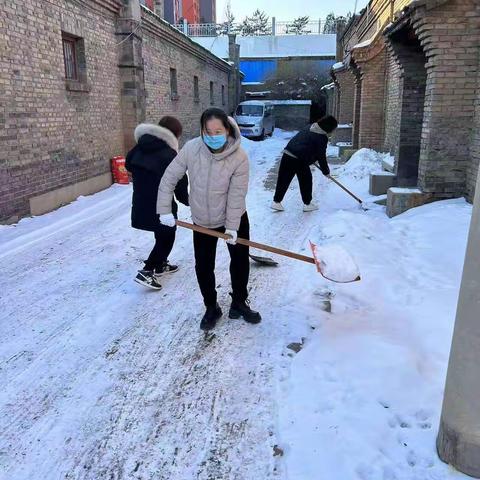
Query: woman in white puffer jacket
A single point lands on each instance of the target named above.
(218, 169)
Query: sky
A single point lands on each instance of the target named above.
(282, 9)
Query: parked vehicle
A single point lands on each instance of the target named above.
(256, 119)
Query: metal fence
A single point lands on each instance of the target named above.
(274, 28)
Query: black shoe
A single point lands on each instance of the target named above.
(147, 279)
(242, 309)
(166, 269)
(210, 318)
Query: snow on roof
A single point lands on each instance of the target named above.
(269, 46)
(253, 83)
(338, 66)
(217, 45)
(290, 102)
(366, 43)
(287, 46)
(254, 102)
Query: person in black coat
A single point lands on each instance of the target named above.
(157, 146)
(307, 147)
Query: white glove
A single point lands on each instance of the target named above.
(233, 234)
(168, 220)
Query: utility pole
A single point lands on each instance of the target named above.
(458, 441)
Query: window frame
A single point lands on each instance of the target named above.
(223, 95)
(173, 84)
(212, 93)
(196, 89)
(72, 41)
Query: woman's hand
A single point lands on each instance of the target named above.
(233, 235)
(168, 220)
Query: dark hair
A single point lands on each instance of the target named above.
(219, 114)
(172, 124)
(328, 123)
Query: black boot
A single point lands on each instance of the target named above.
(210, 318)
(242, 309)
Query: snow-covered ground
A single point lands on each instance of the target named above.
(104, 380)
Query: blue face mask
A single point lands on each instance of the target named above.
(215, 142)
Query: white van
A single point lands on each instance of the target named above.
(255, 119)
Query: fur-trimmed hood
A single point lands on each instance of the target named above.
(156, 131)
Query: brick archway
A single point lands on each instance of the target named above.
(448, 32)
(408, 52)
(370, 61)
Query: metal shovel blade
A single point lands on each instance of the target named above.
(268, 262)
(335, 264)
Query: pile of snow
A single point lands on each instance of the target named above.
(347, 411)
(337, 66)
(362, 164)
(335, 263)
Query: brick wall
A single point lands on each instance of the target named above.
(55, 132)
(392, 105)
(163, 49)
(431, 104)
(472, 172)
(357, 104)
(372, 108)
(46, 129)
(409, 55)
(450, 35)
(346, 82)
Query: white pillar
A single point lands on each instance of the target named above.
(458, 440)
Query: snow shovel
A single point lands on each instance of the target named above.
(345, 189)
(333, 263)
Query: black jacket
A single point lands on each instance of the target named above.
(147, 161)
(310, 145)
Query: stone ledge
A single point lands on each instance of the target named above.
(77, 86)
(56, 198)
(380, 183)
(400, 200)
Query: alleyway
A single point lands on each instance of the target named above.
(104, 380)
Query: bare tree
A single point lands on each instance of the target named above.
(229, 25)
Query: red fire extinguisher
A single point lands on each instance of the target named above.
(119, 172)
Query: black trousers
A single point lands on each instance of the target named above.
(164, 240)
(289, 167)
(205, 252)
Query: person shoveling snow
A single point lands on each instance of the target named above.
(307, 147)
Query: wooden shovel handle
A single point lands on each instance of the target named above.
(334, 180)
(248, 243)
